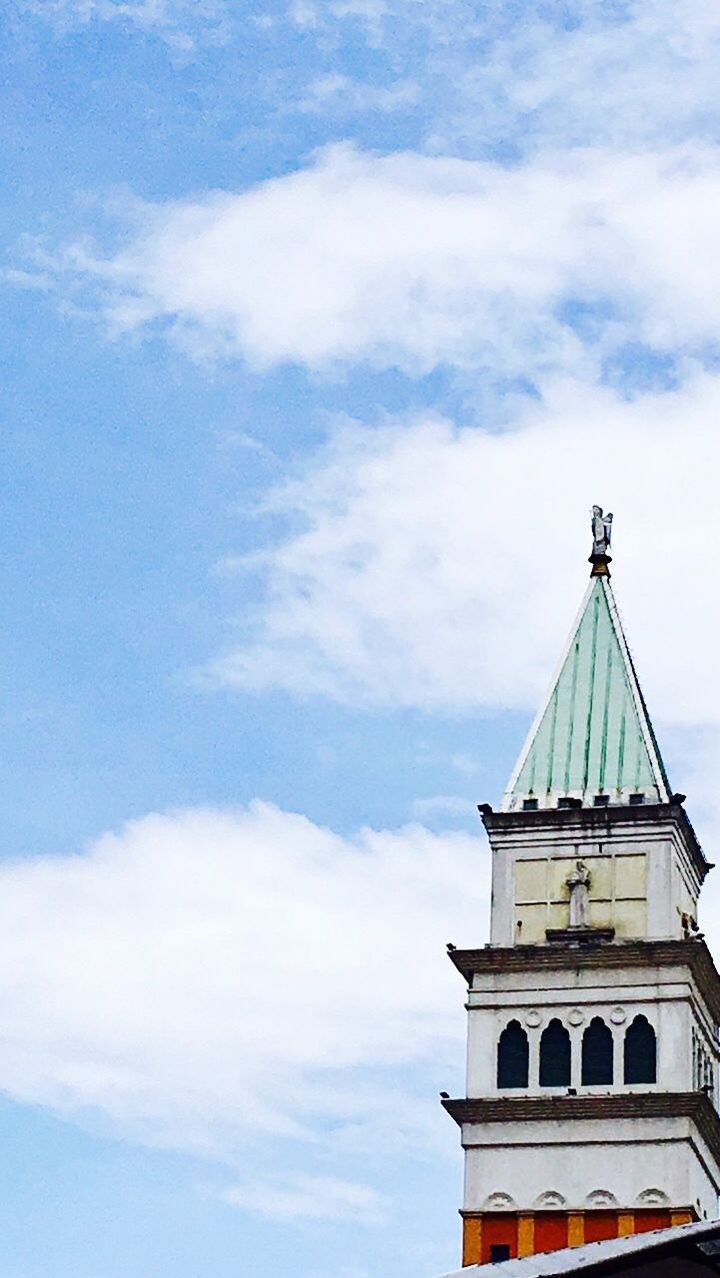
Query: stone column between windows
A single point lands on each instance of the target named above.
(576, 1056)
(534, 1063)
(618, 1033)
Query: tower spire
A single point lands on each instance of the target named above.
(592, 742)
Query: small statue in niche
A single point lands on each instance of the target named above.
(601, 530)
(579, 884)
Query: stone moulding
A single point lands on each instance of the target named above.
(612, 955)
(695, 1106)
(597, 821)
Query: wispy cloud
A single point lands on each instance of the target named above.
(443, 805)
(436, 566)
(179, 22)
(502, 75)
(409, 261)
(343, 95)
(522, 76)
(310, 1198)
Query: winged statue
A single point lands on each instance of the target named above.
(601, 530)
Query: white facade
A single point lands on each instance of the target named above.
(554, 1158)
(589, 1164)
(608, 1161)
(666, 995)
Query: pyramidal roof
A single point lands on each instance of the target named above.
(592, 740)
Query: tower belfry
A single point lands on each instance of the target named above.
(591, 1107)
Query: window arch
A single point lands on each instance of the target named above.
(513, 1056)
(555, 1055)
(601, 1198)
(550, 1198)
(499, 1201)
(640, 1052)
(653, 1198)
(597, 1054)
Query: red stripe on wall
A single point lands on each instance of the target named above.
(500, 1228)
(551, 1231)
(600, 1225)
(646, 1220)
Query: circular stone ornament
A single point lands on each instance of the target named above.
(533, 1019)
(577, 1016)
(618, 1015)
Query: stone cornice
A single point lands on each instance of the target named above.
(594, 818)
(596, 821)
(562, 1109)
(613, 955)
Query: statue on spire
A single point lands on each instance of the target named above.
(601, 526)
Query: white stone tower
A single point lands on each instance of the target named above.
(591, 1107)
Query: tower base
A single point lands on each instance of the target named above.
(486, 1234)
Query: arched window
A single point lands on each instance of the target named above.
(513, 1057)
(597, 1054)
(640, 1052)
(555, 1056)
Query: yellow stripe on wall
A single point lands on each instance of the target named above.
(576, 1229)
(526, 1235)
(472, 1241)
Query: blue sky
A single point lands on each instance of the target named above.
(324, 325)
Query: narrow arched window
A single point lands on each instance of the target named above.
(513, 1057)
(555, 1056)
(640, 1052)
(597, 1054)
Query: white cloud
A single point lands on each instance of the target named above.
(310, 1198)
(411, 261)
(204, 976)
(440, 567)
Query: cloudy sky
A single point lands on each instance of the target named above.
(324, 323)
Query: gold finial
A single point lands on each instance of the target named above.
(601, 526)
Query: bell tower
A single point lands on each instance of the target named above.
(591, 1107)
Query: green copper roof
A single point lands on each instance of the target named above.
(593, 736)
